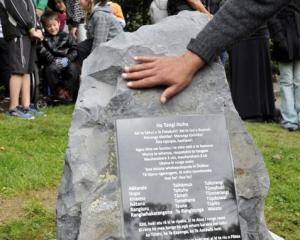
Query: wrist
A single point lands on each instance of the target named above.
(193, 61)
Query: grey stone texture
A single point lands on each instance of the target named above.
(89, 200)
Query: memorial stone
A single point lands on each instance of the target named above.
(89, 198)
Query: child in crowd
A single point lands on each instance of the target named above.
(19, 23)
(117, 11)
(58, 51)
(102, 26)
(60, 8)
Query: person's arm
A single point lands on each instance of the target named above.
(234, 20)
(101, 29)
(17, 10)
(197, 5)
(74, 15)
(72, 52)
(44, 53)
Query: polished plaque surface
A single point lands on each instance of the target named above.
(177, 179)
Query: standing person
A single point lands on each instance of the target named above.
(40, 6)
(58, 51)
(102, 26)
(75, 20)
(236, 19)
(251, 77)
(19, 24)
(4, 66)
(285, 32)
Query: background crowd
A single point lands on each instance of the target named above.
(64, 33)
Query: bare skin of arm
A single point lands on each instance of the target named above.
(197, 5)
(175, 73)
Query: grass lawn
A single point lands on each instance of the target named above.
(31, 165)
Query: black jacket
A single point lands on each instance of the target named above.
(61, 45)
(17, 17)
(285, 33)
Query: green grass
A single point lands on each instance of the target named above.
(37, 223)
(281, 151)
(32, 156)
(31, 151)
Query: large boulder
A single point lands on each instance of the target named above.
(89, 201)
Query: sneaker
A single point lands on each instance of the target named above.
(290, 126)
(20, 113)
(292, 129)
(34, 111)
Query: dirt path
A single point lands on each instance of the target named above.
(12, 207)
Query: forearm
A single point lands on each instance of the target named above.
(17, 10)
(197, 5)
(236, 19)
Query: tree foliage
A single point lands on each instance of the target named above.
(136, 12)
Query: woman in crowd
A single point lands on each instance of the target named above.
(251, 77)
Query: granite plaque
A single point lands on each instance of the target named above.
(177, 178)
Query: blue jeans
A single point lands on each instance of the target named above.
(290, 94)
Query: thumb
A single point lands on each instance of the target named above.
(169, 93)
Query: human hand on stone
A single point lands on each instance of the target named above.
(175, 73)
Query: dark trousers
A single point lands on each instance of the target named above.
(67, 78)
(84, 49)
(4, 66)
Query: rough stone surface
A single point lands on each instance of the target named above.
(88, 205)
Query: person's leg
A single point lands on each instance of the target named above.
(81, 32)
(25, 91)
(71, 76)
(84, 49)
(297, 88)
(15, 85)
(52, 77)
(288, 111)
(4, 66)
